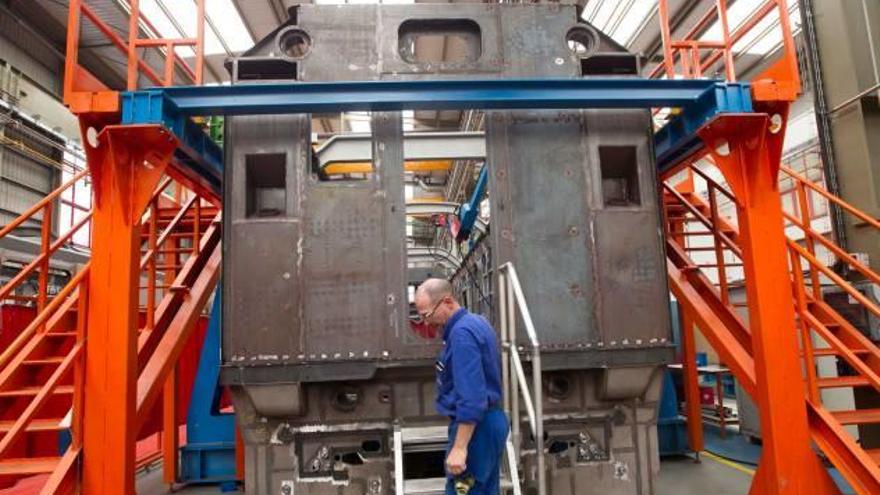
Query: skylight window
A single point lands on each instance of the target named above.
(221, 13)
(619, 19)
(764, 37)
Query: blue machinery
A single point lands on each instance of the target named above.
(209, 455)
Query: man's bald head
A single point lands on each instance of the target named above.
(434, 289)
(434, 301)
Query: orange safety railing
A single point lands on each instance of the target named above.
(695, 225)
(171, 309)
(692, 57)
(31, 417)
(44, 213)
(83, 92)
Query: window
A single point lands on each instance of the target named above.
(620, 176)
(436, 41)
(266, 185)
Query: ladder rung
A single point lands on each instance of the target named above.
(43, 361)
(36, 465)
(842, 382)
(53, 424)
(32, 391)
(857, 417)
(830, 351)
(61, 334)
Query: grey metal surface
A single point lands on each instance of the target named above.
(316, 285)
(417, 146)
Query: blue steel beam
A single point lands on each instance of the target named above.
(487, 94)
(699, 100)
(678, 138)
(197, 151)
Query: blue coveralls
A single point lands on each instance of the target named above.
(469, 391)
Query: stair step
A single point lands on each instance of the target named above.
(53, 424)
(32, 391)
(857, 417)
(428, 486)
(830, 351)
(61, 334)
(842, 382)
(31, 466)
(43, 361)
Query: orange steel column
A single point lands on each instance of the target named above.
(170, 439)
(126, 166)
(747, 149)
(693, 409)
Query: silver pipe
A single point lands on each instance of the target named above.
(514, 391)
(527, 396)
(854, 99)
(505, 350)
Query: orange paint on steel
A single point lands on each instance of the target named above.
(133, 58)
(168, 350)
(24, 273)
(837, 279)
(41, 204)
(719, 246)
(748, 154)
(666, 37)
(806, 336)
(200, 42)
(842, 255)
(170, 440)
(123, 187)
(45, 392)
(871, 221)
(28, 333)
(856, 465)
(693, 406)
(729, 71)
(239, 454)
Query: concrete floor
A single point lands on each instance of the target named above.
(678, 476)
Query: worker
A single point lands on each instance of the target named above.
(468, 391)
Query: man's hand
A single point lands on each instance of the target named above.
(455, 461)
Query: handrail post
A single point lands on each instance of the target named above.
(511, 335)
(45, 244)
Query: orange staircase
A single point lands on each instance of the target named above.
(704, 251)
(41, 371)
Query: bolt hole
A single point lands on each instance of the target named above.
(581, 40)
(346, 399)
(92, 137)
(294, 43)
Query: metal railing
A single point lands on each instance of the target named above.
(822, 331)
(510, 298)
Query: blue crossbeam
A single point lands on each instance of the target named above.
(252, 99)
(700, 100)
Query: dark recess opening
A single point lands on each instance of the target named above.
(620, 176)
(266, 69)
(424, 465)
(461, 37)
(266, 185)
(610, 64)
